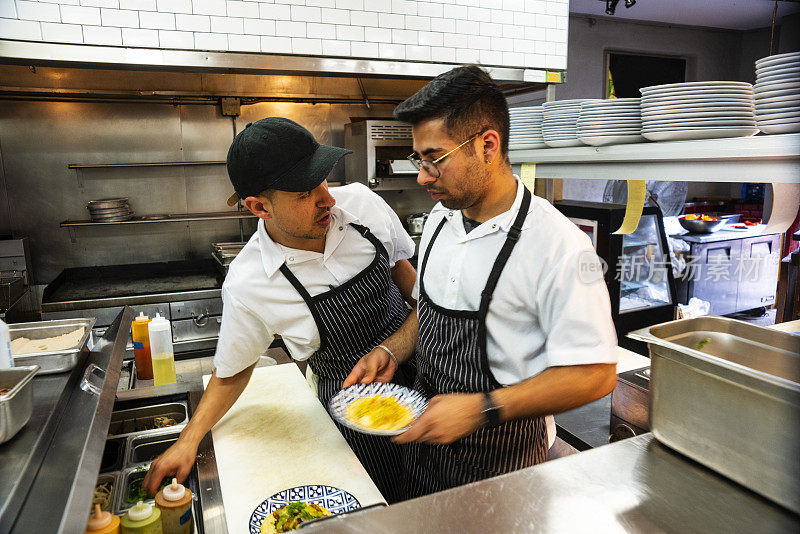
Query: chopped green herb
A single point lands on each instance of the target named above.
(703, 342)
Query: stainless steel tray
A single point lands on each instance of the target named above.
(114, 478)
(16, 406)
(727, 394)
(134, 421)
(143, 449)
(51, 362)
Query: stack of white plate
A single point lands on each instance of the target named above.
(610, 122)
(698, 110)
(778, 93)
(526, 128)
(560, 124)
(109, 210)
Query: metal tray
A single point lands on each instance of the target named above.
(126, 476)
(16, 406)
(114, 479)
(732, 405)
(114, 454)
(52, 362)
(136, 421)
(143, 449)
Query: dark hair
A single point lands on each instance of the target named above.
(466, 98)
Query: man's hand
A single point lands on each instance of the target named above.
(446, 419)
(375, 366)
(176, 461)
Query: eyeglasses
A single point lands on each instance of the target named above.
(431, 166)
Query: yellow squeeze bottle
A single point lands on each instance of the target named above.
(161, 352)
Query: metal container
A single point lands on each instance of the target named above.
(727, 394)
(144, 449)
(702, 227)
(142, 421)
(113, 455)
(16, 406)
(58, 361)
(416, 222)
(114, 480)
(126, 478)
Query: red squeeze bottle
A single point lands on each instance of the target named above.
(141, 347)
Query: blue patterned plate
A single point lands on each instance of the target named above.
(337, 406)
(334, 500)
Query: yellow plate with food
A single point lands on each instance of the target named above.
(382, 409)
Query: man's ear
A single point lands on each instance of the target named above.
(491, 146)
(259, 206)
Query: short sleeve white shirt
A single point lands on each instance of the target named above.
(260, 303)
(546, 311)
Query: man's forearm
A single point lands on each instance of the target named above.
(217, 399)
(556, 390)
(402, 342)
(404, 276)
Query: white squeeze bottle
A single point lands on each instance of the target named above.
(161, 351)
(6, 360)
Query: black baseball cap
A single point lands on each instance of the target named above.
(277, 153)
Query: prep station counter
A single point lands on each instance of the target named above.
(635, 485)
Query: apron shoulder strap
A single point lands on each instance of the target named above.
(505, 252)
(427, 252)
(369, 236)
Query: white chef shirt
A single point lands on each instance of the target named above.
(543, 312)
(258, 300)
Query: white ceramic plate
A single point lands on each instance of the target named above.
(777, 86)
(600, 140)
(777, 59)
(610, 114)
(680, 135)
(696, 126)
(783, 120)
(337, 406)
(667, 114)
(656, 120)
(700, 94)
(692, 85)
(527, 146)
(779, 115)
(780, 93)
(609, 124)
(710, 99)
(698, 107)
(558, 143)
(761, 100)
(779, 128)
(787, 71)
(333, 499)
(777, 78)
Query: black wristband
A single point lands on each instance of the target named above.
(491, 412)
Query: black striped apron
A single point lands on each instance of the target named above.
(451, 358)
(352, 319)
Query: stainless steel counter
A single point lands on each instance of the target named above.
(636, 485)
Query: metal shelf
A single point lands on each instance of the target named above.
(187, 217)
(762, 158)
(151, 164)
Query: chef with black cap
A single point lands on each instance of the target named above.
(326, 269)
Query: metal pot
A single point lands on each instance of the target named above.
(415, 222)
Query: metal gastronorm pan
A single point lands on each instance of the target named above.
(58, 361)
(734, 404)
(16, 406)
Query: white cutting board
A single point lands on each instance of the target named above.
(276, 436)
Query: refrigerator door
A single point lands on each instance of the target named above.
(643, 269)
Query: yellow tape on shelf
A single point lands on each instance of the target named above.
(637, 192)
(528, 175)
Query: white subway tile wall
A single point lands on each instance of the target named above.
(513, 33)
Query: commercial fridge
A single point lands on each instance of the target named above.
(639, 273)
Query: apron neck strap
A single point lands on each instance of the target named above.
(505, 252)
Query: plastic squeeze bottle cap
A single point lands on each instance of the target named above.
(140, 511)
(142, 317)
(158, 323)
(99, 519)
(174, 492)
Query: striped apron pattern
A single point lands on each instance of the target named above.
(352, 319)
(451, 358)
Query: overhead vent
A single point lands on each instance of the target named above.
(389, 130)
